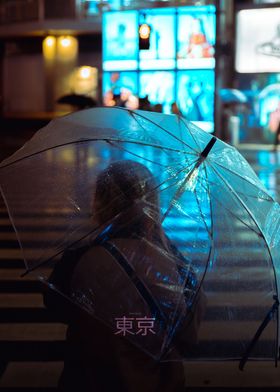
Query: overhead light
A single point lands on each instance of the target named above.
(85, 72)
(49, 41)
(49, 47)
(65, 42)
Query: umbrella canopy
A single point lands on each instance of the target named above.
(195, 232)
(271, 89)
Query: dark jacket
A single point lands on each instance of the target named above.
(95, 358)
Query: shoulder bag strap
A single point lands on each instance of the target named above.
(142, 289)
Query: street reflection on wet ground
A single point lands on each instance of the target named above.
(266, 164)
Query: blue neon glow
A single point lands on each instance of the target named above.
(120, 65)
(196, 37)
(162, 38)
(116, 83)
(159, 87)
(196, 95)
(178, 67)
(120, 35)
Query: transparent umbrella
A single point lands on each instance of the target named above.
(191, 234)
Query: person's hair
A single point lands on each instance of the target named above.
(120, 185)
(126, 194)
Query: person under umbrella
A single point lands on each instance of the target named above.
(274, 125)
(131, 238)
(213, 208)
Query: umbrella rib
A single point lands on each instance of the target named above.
(145, 144)
(104, 225)
(270, 198)
(136, 155)
(230, 211)
(180, 120)
(179, 191)
(158, 186)
(163, 129)
(141, 126)
(190, 132)
(40, 264)
(28, 270)
(181, 188)
(207, 262)
(167, 340)
(92, 140)
(169, 178)
(210, 202)
(198, 204)
(211, 236)
(244, 206)
(269, 251)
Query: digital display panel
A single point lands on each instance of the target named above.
(159, 88)
(196, 37)
(195, 95)
(161, 53)
(120, 40)
(258, 50)
(171, 72)
(120, 89)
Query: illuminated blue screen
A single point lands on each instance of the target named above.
(195, 95)
(120, 40)
(117, 84)
(162, 53)
(159, 87)
(196, 37)
(178, 66)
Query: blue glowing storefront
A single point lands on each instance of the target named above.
(175, 68)
(257, 71)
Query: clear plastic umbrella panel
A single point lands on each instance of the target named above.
(181, 238)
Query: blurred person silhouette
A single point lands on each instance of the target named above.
(97, 359)
(158, 107)
(226, 114)
(175, 109)
(145, 104)
(274, 125)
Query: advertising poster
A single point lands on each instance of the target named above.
(173, 71)
(158, 88)
(196, 37)
(161, 54)
(195, 95)
(258, 50)
(120, 89)
(120, 40)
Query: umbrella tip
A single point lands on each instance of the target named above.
(209, 146)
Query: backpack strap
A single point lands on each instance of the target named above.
(135, 279)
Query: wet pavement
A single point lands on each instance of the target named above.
(266, 164)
